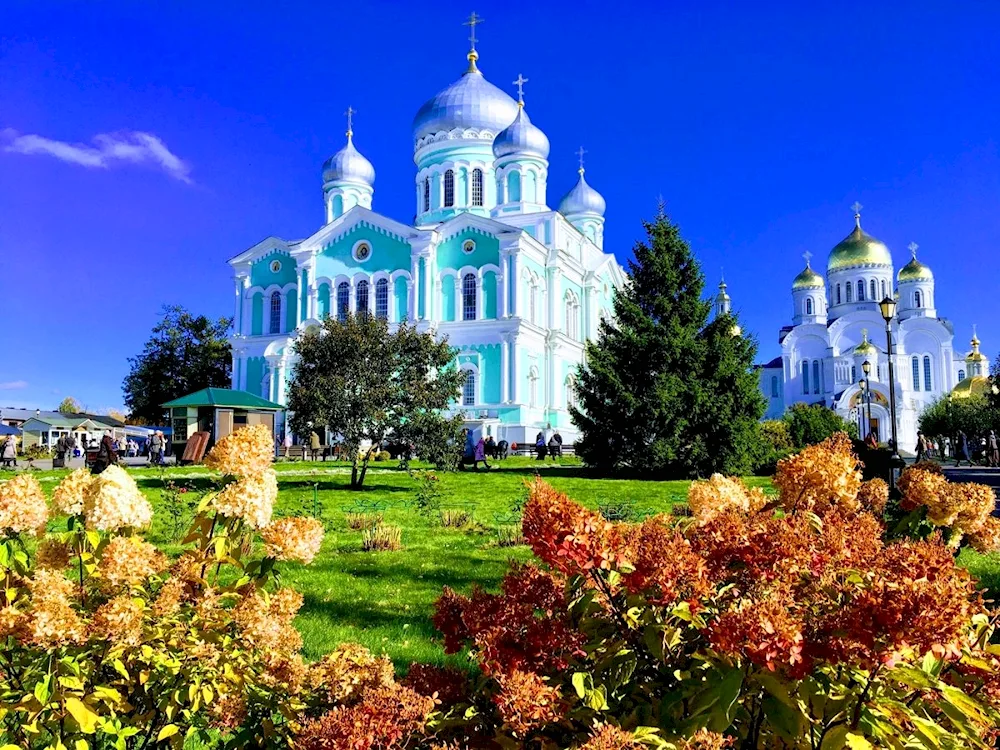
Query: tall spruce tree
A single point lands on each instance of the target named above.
(663, 390)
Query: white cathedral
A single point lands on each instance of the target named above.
(515, 286)
(837, 327)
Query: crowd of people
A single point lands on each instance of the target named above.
(961, 448)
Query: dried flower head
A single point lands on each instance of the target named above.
(119, 620)
(52, 620)
(250, 498)
(22, 506)
(296, 539)
(610, 737)
(873, 496)
(344, 673)
(128, 561)
(113, 501)
(820, 476)
(266, 621)
(708, 498)
(228, 712)
(53, 554)
(446, 685)
(168, 601)
(69, 494)
(247, 452)
(526, 701)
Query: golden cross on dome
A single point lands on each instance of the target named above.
(807, 255)
(580, 154)
(474, 20)
(864, 333)
(521, 80)
(912, 247)
(856, 208)
(351, 111)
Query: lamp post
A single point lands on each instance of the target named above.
(888, 308)
(866, 367)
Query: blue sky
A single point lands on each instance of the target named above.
(143, 144)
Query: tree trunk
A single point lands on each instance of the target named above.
(355, 484)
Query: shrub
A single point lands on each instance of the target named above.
(509, 536)
(809, 424)
(455, 519)
(761, 622)
(381, 538)
(427, 497)
(383, 456)
(359, 521)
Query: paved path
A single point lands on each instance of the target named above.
(76, 463)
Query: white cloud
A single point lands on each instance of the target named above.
(133, 147)
(13, 385)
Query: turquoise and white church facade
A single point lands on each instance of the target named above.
(837, 327)
(516, 286)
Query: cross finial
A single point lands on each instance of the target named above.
(807, 255)
(856, 208)
(864, 333)
(580, 154)
(521, 80)
(351, 111)
(912, 247)
(474, 20)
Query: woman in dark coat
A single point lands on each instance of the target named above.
(106, 454)
(962, 453)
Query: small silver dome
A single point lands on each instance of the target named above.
(582, 199)
(471, 102)
(348, 165)
(521, 137)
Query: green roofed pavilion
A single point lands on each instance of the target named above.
(224, 397)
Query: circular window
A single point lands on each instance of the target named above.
(362, 251)
(468, 246)
(275, 266)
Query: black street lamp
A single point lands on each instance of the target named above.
(888, 309)
(866, 367)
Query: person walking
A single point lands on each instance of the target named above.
(314, 444)
(962, 449)
(107, 454)
(479, 455)
(993, 449)
(8, 453)
(155, 448)
(540, 446)
(921, 447)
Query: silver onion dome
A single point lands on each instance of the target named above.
(521, 137)
(471, 102)
(582, 199)
(348, 165)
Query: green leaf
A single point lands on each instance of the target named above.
(597, 699)
(168, 731)
(719, 699)
(43, 690)
(581, 682)
(857, 742)
(86, 718)
(784, 720)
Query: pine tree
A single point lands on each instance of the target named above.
(663, 390)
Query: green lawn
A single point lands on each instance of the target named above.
(384, 599)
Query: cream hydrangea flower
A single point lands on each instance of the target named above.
(250, 498)
(22, 506)
(69, 493)
(718, 494)
(245, 453)
(293, 539)
(113, 501)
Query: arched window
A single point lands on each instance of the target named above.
(533, 386)
(570, 392)
(469, 388)
(361, 298)
(532, 301)
(572, 318)
(815, 376)
(469, 296)
(514, 187)
(917, 299)
(809, 306)
(849, 290)
(961, 375)
(477, 187)
(838, 294)
(275, 326)
(427, 194)
(883, 289)
(343, 300)
(854, 373)
(861, 290)
(774, 386)
(927, 373)
(874, 290)
(915, 362)
(805, 377)
(449, 188)
(382, 299)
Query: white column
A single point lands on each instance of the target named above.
(504, 369)
(515, 287)
(480, 296)
(411, 301)
(555, 298)
(458, 296)
(280, 375)
(427, 288)
(502, 287)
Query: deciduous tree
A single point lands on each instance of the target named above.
(69, 405)
(367, 383)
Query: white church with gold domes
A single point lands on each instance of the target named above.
(837, 328)
(516, 286)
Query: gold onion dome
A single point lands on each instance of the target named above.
(975, 355)
(865, 347)
(977, 385)
(808, 279)
(914, 270)
(858, 249)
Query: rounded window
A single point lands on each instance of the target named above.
(275, 266)
(362, 251)
(468, 247)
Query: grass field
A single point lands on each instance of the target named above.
(384, 599)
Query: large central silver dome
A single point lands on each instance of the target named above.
(471, 102)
